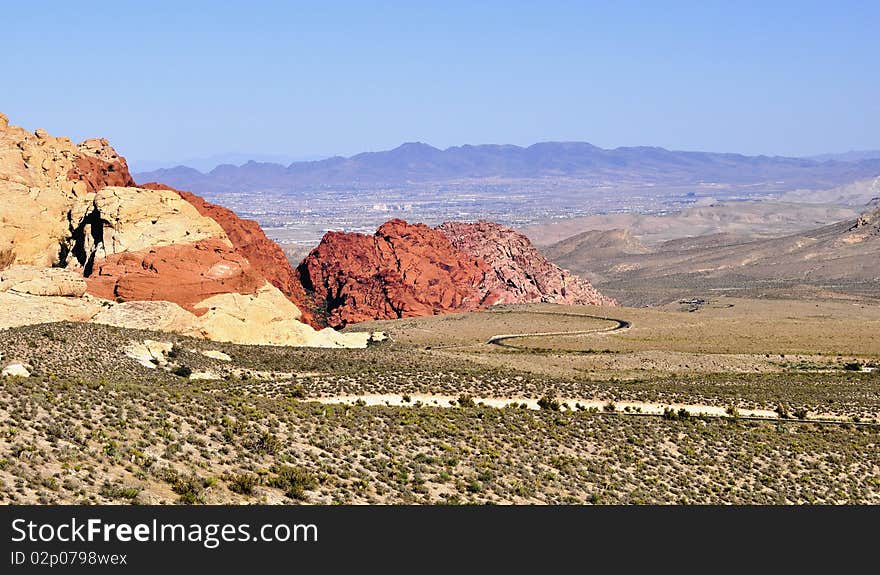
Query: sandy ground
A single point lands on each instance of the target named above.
(569, 404)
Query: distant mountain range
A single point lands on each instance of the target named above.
(208, 163)
(853, 156)
(418, 163)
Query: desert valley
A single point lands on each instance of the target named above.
(717, 343)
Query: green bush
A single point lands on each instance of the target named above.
(243, 483)
(182, 371)
(191, 490)
(548, 403)
(264, 443)
(295, 481)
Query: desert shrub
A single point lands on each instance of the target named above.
(609, 406)
(182, 371)
(548, 403)
(852, 366)
(466, 401)
(264, 443)
(295, 481)
(231, 428)
(116, 491)
(243, 483)
(801, 413)
(191, 490)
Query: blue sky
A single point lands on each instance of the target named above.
(165, 82)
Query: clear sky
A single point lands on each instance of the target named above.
(174, 80)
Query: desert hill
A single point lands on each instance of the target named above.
(750, 219)
(840, 257)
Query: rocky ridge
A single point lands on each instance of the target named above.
(410, 270)
(403, 270)
(521, 274)
(79, 241)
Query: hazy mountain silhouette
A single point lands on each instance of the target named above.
(419, 162)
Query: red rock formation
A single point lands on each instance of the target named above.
(409, 270)
(182, 273)
(521, 273)
(404, 270)
(99, 166)
(250, 241)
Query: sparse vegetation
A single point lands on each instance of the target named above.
(89, 426)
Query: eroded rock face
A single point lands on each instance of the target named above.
(867, 226)
(99, 166)
(41, 178)
(409, 270)
(78, 242)
(520, 273)
(185, 274)
(404, 270)
(264, 255)
(119, 220)
(32, 280)
(18, 309)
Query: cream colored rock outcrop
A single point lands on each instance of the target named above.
(216, 354)
(16, 370)
(266, 315)
(35, 193)
(149, 353)
(134, 219)
(25, 309)
(42, 281)
(264, 318)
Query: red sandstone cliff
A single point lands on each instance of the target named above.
(409, 270)
(99, 166)
(185, 274)
(404, 270)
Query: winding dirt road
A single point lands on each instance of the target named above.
(619, 324)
